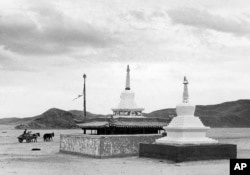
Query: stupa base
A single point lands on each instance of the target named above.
(104, 146)
(188, 152)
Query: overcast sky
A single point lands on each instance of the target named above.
(46, 46)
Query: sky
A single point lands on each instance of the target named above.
(46, 46)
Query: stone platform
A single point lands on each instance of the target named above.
(104, 146)
(181, 153)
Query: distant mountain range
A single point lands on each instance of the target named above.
(228, 114)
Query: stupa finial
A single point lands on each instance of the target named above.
(128, 79)
(185, 93)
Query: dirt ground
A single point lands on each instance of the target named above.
(18, 158)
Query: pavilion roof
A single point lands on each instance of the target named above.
(125, 123)
(138, 125)
(128, 109)
(94, 125)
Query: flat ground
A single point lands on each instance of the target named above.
(17, 158)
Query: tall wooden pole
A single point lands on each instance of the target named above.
(84, 96)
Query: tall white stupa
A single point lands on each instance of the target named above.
(186, 138)
(186, 128)
(127, 107)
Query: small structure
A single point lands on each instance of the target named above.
(118, 135)
(186, 139)
(127, 118)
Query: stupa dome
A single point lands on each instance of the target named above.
(127, 100)
(185, 109)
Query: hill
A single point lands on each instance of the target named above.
(162, 113)
(53, 118)
(228, 114)
(15, 120)
(79, 115)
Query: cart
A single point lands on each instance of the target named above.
(27, 137)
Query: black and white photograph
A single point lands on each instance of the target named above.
(133, 87)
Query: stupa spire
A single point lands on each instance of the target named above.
(185, 92)
(128, 79)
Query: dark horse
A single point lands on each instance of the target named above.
(34, 136)
(48, 137)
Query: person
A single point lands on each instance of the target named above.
(24, 132)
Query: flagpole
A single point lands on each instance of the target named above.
(84, 96)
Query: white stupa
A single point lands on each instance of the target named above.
(186, 128)
(127, 107)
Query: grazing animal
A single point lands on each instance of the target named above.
(48, 137)
(34, 137)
